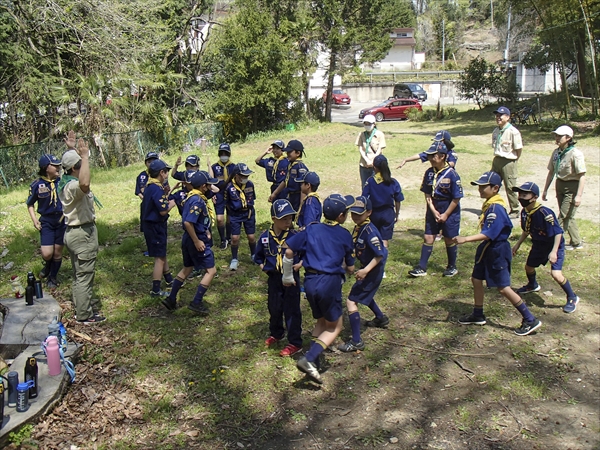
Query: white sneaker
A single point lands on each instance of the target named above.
(233, 265)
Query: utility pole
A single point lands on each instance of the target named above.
(507, 39)
(444, 43)
(492, 8)
(593, 52)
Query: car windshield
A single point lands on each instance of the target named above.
(415, 87)
(338, 91)
(382, 104)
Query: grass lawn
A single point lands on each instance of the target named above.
(153, 379)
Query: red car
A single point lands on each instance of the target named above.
(338, 97)
(393, 108)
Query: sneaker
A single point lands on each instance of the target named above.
(378, 323)
(51, 284)
(352, 346)
(223, 245)
(571, 305)
(169, 283)
(290, 350)
(93, 320)
(574, 247)
(159, 293)
(310, 369)
(194, 274)
(527, 289)
(384, 275)
(450, 271)
(233, 265)
(146, 253)
(199, 308)
(472, 320)
(528, 327)
(271, 340)
(417, 272)
(169, 304)
(45, 269)
(514, 214)
(438, 237)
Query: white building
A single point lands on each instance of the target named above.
(537, 82)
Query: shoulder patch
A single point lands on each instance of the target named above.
(265, 240)
(549, 218)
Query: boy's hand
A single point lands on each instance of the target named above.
(360, 274)
(459, 240)
(200, 246)
(178, 162)
(515, 249)
(553, 257)
(297, 266)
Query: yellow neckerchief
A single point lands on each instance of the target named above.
(312, 194)
(292, 164)
(53, 196)
(496, 199)
(209, 206)
(358, 230)
(241, 193)
(437, 175)
(330, 222)
(536, 206)
(153, 181)
(276, 165)
(378, 178)
(279, 242)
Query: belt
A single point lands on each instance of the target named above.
(315, 272)
(80, 226)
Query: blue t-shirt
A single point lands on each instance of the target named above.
(311, 211)
(155, 200)
(222, 173)
(195, 211)
(295, 170)
(543, 226)
(267, 164)
(140, 182)
(496, 223)
(443, 186)
(40, 191)
(268, 247)
(323, 248)
(383, 195)
(450, 157)
(280, 169)
(233, 198)
(368, 244)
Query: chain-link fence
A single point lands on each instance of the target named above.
(19, 163)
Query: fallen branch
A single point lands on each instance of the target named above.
(80, 335)
(516, 420)
(470, 355)
(463, 368)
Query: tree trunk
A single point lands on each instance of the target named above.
(330, 77)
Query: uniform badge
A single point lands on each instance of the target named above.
(549, 218)
(43, 188)
(359, 241)
(265, 240)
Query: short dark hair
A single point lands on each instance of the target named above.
(314, 187)
(75, 167)
(43, 171)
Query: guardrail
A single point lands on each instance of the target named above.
(415, 74)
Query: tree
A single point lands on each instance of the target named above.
(478, 80)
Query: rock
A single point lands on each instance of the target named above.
(393, 440)
(548, 293)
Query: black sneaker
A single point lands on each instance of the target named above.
(159, 293)
(527, 289)
(45, 269)
(194, 274)
(450, 271)
(528, 327)
(351, 346)
(93, 320)
(51, 284)
(199, 308)
(169, 304)
(224, 244)
(378, 323)
(310, 369)
(417, 272)
(472, 320)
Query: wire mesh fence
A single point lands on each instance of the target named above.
(19, 163)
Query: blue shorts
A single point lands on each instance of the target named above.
(324, 294)
(494, 266)
(538, 256)
(248, 220)
(450, 228)
(384, 220)
(364, 291)
(156, 238)
(53, 230)
(194, 258)
(219, 203)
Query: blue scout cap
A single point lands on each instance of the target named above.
(224, 147)
(151, 155)
(530, 186)
(279, 144)
(157, 165)
(192, 160)
(502, 110)
(47, 160)
(488, 178)
(243, 169)
(199, 178)
(336, 204)
(308, 177)
(187, 175)
(294, 145)
(379, 160)
(361, 205)
(437, 147)
(442, 135)
(281, 208)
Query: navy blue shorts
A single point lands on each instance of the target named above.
(364, 291)
(220, 204)
(450, 228)
(53, 230)
(156, 238)
(248, 220)
(494, 266)
(194, 258)
(384, 221)
(538, 255)
(324, 294)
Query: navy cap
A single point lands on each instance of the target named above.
(336, 204)
(151, 155)
(361, 205)
(279, 144)
(530, 186)
(488, 178)
(442, 135)
(192, 160)
(188, 174)
(437, 147)
(47, 160)
(502, 110)
(308, 177)
(294, 145)
(224, 147)
(243, 169)
(379, 160)
(199, 178)
(157, 165)
(281, 208)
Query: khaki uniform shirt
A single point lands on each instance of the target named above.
(78, 207)
(570, 166)
(376, 147)
(505, 142)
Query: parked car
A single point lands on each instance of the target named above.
(392, 108)
(402, 90)
(338, 97)
(418, 91)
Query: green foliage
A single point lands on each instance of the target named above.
(478, 81)
(428, 114)
(21, 436)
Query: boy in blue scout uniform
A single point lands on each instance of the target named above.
(280, 171)
(275, 149)
(386, 195)
(372, 254)
(494, 255)
(441, 136)
(196, 242)
(239, 198)
(51, 223)
(141, 181)
(323, 249)
(296, 170)
(283, 301)
(547, 243)
(155, 213)
(443, 190)
(192, 162)
(311, 209)
(222, 171)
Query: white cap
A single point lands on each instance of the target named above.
(370, 118)
(564, 130)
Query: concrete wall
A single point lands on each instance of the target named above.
(398, 59)
(381, 91)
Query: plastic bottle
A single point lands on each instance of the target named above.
(39, 292)
(31, 374)
(13, 381)
(53, 355)
(30, 279)
(54, 328)
(63, 337)
(23, 396)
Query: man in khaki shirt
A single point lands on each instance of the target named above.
(507, 145)
(370, 143)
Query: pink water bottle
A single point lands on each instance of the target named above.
(53, 356)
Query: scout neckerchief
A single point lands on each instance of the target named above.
(499, 137)
(276, 165)
(438, 176)
(536, 206)
(330, 222)
(52, 184)
(368, 139)
(287, 177)
(241, 193)
(66, 179)
(279, 241)
(312, 194)
(496, 199)
(378, 178)
(211, 211)
(358, 229)
(560, 156)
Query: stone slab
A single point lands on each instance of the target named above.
(25, 324)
